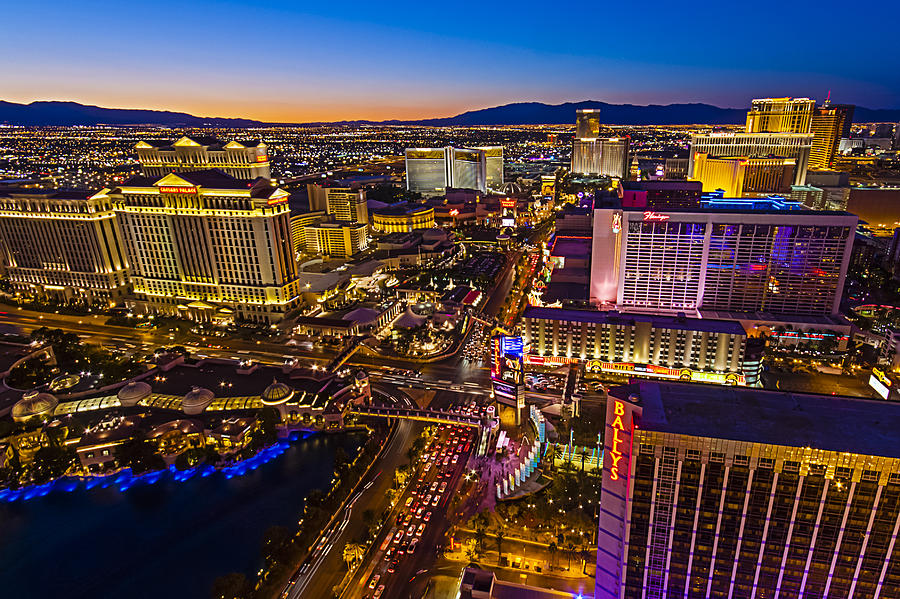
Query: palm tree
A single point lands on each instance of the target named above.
(499, 536)
(552, 455)
(571, 550)
(583, 456)
(552, 549)
(353, 552)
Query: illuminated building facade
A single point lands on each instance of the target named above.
(62, 245)
(243, 159)
(780, 115)
(710, 491)
(299, 222)
(342, 203)
(740, 255)
(654, 346)
(431, 171)
(493, 166)
(336, 239)
(754, 145)
(829, 124)
(207, 246)
(403, 217)
(742, 176)
(606, 157)
(587, 122)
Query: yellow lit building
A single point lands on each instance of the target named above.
(829, 124)
(207, 246)
(62, 245)
(336, 239)
(245, 160)
(740, 176)
(403, 217)
(780, 115)
(299, 222)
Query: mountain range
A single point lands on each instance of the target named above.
(520, 113)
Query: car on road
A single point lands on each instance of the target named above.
(434, 503)
(398, 536)
(412, 546)
(378, 591)
(393, 566)
(419, 512)
(427, 516)
(411, 530)
(409, 501)
(374, 582)
(420, 530)
(427, 499)
(443, 486)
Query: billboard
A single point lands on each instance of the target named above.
(508, 369)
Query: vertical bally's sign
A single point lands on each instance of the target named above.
(619, 437)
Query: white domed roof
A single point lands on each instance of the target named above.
(197, 400)
(133, 392)
(34, 404)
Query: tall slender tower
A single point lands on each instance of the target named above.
(829, 124)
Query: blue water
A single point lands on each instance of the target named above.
(169, 539)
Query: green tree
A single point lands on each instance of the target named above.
(499, 536)
(51, 462)
(273, 542)
(138, 454)
(231, 586)
(552, 548)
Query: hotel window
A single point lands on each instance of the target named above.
(716, 457)
(766, 463)
(791, 466)
(741, 460)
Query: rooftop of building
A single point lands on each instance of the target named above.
(212, 178)
(802, 319)
(824, 422)
(662, 184)
(571, 247)
(402, 209)
(678, 323)
(209, 142)
(44, 194)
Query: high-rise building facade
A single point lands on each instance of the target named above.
(711, 491)
(698, 349)
(606, 157)
(733, 256)
(742, 176)
(829, 124)
(207, 246)
(780, 115)
(493, 161)
(347, 204)
(336, 239)
(62, 245)
(431, 171)
(243, 159)
(754, 145)
(587, 123)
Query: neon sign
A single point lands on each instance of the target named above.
(655, 216)
(508, 203)
(454, 212)
(879, 374)
(615, 452)
(177, 189)
(262, 158)
(617, 223)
